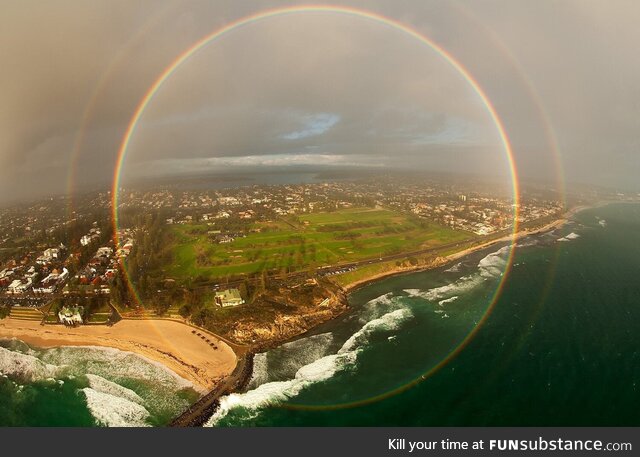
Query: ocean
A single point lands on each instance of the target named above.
(559, 346)
(86, 386)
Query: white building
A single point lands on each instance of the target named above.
(70, 316)
(19, 287)
(105, 251)
(229, 297)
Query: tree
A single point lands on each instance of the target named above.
(161, 304)
(243, 291)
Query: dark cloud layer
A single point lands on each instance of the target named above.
(316, 88)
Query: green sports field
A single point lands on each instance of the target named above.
(310, 241)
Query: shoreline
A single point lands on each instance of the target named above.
(170, 343)
(442, 261)
(352, 287)
(212, 374)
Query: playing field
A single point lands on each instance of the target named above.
(311, 241)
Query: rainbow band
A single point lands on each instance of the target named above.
(98, 93)
(377, 18)
(166, 74)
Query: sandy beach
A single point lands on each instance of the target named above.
(173, 344)
(168, 342)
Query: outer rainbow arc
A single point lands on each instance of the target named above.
(363, 14)
(529, 86)
(98, 92)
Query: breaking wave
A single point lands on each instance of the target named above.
(569, 237)
(159, 392)
(455, 268)
(114, 411)
(390, 321)
(100, 384)
(25, 367)
(114, 364)
(285, 361)
(527, 242)
(379, 306)
(279, 391)
(248, 404)
(305, 350)
(260, 372)
(447, 300)
(491, 266)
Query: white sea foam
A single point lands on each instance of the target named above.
(279, 391)
(378, 306)
(390, 321)
(455, 268)
(527, 242)
(114, 364)
(494, 264)
(26, 367)
(100, 384)
(260, 372)
(447, 300)
(113, 411)
(490, 267)
(382, 299)
(289, 358)
(569, 237)
(303, 351)
(458, 287)
(317, 371)
(105, 369)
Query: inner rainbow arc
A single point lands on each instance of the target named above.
(363, 14)
(166, 74)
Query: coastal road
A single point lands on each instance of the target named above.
(359, 263)
(476, 240)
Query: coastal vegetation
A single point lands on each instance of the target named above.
(305, 242)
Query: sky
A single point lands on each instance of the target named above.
(317, 90)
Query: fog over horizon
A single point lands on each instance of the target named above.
(317, 91)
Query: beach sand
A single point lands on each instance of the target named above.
(168, 342)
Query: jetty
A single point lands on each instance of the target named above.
(198, 413)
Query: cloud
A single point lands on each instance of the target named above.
(314, 124)
(309, 88)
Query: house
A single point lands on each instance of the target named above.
(5, 277)
(71, 315)
(229, 297)
(49, 284)
(104, 252)
(19, 287)
(52, 254)
(225, 239)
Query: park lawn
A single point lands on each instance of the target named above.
(313, 240)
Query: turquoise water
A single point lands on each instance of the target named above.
(560, 347)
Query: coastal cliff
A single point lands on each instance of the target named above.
(298, 310)
(284, 310)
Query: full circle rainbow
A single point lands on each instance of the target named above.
(375, 18)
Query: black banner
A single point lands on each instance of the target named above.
(180, 442)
